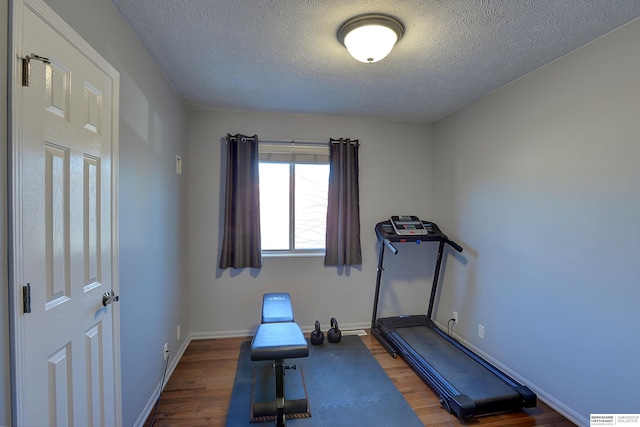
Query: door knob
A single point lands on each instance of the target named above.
(109, 297)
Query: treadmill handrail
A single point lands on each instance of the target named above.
(454, 245)
(390, 245)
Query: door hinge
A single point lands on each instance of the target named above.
(26, 298)
(26, 67)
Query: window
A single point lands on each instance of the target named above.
(294, 182)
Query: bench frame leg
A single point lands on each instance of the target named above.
(279, 368)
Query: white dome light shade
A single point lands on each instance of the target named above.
(369, 38)
(370, 43)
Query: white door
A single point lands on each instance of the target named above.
(63, 228)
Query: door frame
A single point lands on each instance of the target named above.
(15, 123)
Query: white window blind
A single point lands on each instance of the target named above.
(294, 153)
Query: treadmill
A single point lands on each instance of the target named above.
(466, 384)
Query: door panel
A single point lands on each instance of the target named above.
(66, 364)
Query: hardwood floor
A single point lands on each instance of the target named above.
(199, 391)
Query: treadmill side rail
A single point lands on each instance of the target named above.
(529, 398)
(384, 342)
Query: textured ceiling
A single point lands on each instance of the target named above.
(283, 55)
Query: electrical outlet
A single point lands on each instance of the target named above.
(178, 333)
(455, 317)
(165, 352)
(481, 331)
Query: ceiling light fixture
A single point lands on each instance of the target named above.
(369, 38)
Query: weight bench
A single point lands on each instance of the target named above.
(278, 338)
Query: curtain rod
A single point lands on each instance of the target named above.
(293, 141)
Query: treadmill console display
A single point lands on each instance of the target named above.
(408, 229)
(407, 225)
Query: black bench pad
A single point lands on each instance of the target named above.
(276, 308)
(274, 341)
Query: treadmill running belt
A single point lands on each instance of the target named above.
(461, 371)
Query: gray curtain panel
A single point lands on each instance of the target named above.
(343, 205)
(241, 234)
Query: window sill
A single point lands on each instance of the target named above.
(283, 254)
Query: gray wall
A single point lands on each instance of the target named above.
(5, 396)
(395, 174)
(539, 182)
(152, 203)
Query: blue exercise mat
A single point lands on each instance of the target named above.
(345, 386)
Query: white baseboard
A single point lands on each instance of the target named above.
(221, 334)
(345, 328)
(250, 332)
